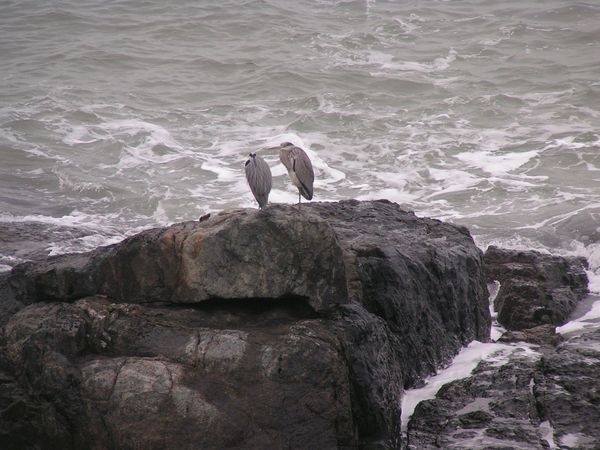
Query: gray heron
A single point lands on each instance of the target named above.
(299, 168)
(259, 179)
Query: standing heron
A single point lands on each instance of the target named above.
(259, 179)
(299, 168)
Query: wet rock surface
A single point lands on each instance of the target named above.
(542, 398)
(546, 395)
(569, 391)
(535, 288)
(273, 329)
(494, 408)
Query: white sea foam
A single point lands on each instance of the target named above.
(451, 180)
(497, 330)
(497, 163)
(577, 441)
(81, 134)
(82, 244)
(394, 195)
(7, 262)
(557, 219)
(589, 320)
(547, 434)
(463, 364)
(142, 142)
(409, 25)
(387, 63)
(221, 169)
(101, 229)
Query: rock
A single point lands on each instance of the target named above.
(569, 392)
(125, 374)
(248, 329)
(546, 399)
(541, 335)
(535, 288)
(494, 408)
(229, 256)
(27, 421)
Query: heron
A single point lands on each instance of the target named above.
(299, 168)
(259, 179)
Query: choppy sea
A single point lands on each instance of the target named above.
(123, 115)
(118, 116)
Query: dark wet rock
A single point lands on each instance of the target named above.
(125, 374)
(494, 408)
(271, 329)
(569, 391)
(28, 421)
(535, 288)
(531, 402)
(541, 335)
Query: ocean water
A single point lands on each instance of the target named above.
(118, 116)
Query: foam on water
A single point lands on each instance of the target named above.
(452, 110)
(101, 230)
(589, 320)
(497, 164)
(547, 434)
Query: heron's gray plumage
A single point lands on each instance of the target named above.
(259, 178)
(299, 168)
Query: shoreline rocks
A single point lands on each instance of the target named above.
(280, 328)
(535, 288)
(546, 394)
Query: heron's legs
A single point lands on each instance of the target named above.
(299, 200)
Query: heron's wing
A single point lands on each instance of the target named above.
(259, 178)
(303, 169)
(285, 156)
(265, 174)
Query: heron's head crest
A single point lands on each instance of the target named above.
(287, 144)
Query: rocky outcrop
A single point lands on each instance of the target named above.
(535, 288)
(545, 395)
(568, 391)
(493, 408)
(271, 329)
(545, 399)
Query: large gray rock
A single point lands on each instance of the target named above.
(251, 329)
(535, 288)
(237, 254)
(125, 376)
